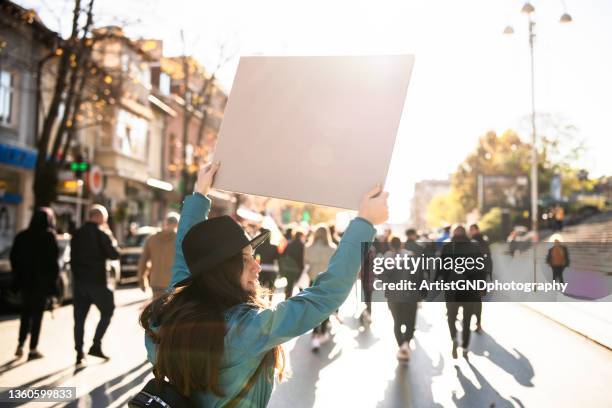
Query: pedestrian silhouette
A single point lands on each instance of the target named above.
(317, 253)
(91, 246)
(155, 263)
(485, 251)
(35, 277)
(403, 304)
(558, 259)
(460, 246)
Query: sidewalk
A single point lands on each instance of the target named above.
(592, 320)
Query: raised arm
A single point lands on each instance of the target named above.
(195, 209)
(260, 330)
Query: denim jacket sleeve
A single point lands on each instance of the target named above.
(255, 331)
(195, 210)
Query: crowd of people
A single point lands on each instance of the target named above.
(302, 254)
(403, 305)
(213, 290)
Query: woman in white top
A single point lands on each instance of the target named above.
(316, 255)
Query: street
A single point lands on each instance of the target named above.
(522, 359)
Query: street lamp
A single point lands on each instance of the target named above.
(565, 18)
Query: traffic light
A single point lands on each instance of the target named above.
(79, 167)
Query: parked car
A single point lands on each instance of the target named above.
(131, 251)
(64, 280)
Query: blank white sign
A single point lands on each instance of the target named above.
(314, 129)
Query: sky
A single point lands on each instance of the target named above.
(468, 78)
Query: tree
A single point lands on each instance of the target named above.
(76, 100)
(198, 103)
(491, 224)
(508, 156)
(445, 209)
(494, 155)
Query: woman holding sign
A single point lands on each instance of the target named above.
(212, 335)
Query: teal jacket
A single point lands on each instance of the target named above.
(251, 333)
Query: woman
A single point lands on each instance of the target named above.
(34, 262)
(403, 305)
(267, 257)
(316, 255)
(212, 336)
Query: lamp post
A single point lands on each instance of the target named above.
(565, 18)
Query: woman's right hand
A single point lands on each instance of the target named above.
(206, 176)
(373, 207)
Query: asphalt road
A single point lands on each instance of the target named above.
(520, 360)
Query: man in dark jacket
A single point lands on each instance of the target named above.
(485, 251)
(90, 248)
(459, 247)
(293, 257)
(558, 259)
(267, 256)
(34, 264)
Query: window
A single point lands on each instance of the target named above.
(189, 155)
(164, 83)
(144, 75)
(125, 63)
(132, 133)
(7, 98)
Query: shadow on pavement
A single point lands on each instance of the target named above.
(300, 390)
(518, 365)
(9, 365)
(412, 385)
(481, 394)
(135, 302)
(365, 338)
(104, 394)
(66, 372)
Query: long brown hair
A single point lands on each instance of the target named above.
(188, 327)
(322, 234)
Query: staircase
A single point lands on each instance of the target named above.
(597, 228)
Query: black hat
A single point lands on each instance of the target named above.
(209, 243)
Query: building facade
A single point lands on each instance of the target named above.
(424, 192)
(24, 42)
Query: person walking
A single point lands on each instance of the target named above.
(267, 257)
(558, 259)
(212, 337)
(316, 256)
(91, 246)
(460, 246)
(155, 264)
(291, 262)
(485, 252)
(559, 216)
(35, 268)
(367, 277)
(403, 304)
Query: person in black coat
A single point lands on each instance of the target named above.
(267, 255)
(294, 251)
(91, 247)
(485, 251)
(35, 268)
(469, 300)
